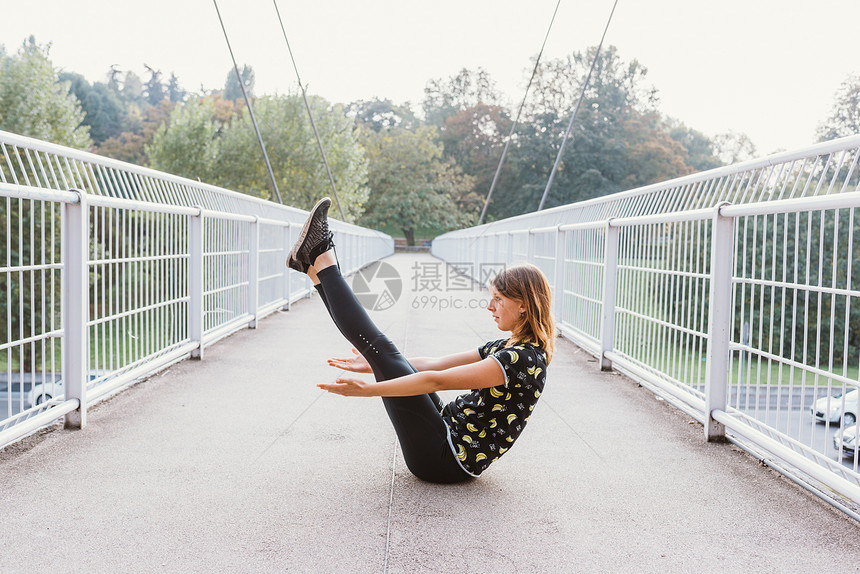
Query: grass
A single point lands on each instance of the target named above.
(688, 366)
(127, 349)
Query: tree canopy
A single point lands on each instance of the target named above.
(35, 103)
(412, 185)
(408, 172)
(844, 118)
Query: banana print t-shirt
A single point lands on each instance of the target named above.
(485, 423)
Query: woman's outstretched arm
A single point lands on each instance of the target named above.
(478, 375)
(358, 364)
(446, 362)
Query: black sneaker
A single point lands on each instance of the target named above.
(315, 238)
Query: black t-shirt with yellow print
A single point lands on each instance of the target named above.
(485, 422)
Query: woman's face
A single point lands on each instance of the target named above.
(506, 312)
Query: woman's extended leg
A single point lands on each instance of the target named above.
(420, 429)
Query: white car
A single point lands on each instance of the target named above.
(847, 440)
(829, 409)
(35, 392)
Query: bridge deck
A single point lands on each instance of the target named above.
(238, 463)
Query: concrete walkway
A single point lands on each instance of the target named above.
(238, 463)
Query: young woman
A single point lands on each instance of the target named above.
(441, 443)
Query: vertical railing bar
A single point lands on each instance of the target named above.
(823, 175)
(75, 179)
(839, 162)
(41, 168)
(761, 297)
(805, 348)
(638, 306)
(94, 356)
(22, 167)
(771, 319)
(610, 283)
(81, 180)
(75, 305)
(33, 171)
(783, 297)
(9, 164)
(718, 324)
(656, 279)
(669, 309)
(819, 297)
(254, 272)
(196, 269)
(851, 172)
(558, 271)
(661, 266)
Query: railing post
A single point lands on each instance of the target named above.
(530, 247)
(719, 322)
(195, 282)
(254, 272)
(610, 289)
(558, 300)
(76, 308)
(288, 290)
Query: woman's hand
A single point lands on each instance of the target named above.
(356, 364)
(348, 387)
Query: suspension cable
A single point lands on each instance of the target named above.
(250, 109)
(517, 119)
(575, 109)
(310, 115)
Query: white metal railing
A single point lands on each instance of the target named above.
(733, 293)
(110, 272)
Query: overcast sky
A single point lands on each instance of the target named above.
(766, 68)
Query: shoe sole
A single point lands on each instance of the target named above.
(306, 227)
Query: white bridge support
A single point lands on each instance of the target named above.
(75, 307)
(719, 322)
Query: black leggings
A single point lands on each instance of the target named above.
(417, 420)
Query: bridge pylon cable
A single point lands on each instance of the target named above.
(575, 110)
(517, 119)
(310, 114)
(250, 108)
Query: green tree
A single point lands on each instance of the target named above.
(844, 118)
(154, 90)
(618, 141)
(734, 147)
(411, 184)
(232, 89)
(130, 145)
(132, 89)
(474, 139)
(382, 114)
(35, 103)
(187, 144)
(293, 153)
(103, 109)
(175, 92)
(701, 150)
(444, 98)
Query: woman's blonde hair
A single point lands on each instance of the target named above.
(528, 285)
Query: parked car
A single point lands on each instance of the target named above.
(36, 388)
(847, 440)
(829, 409)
